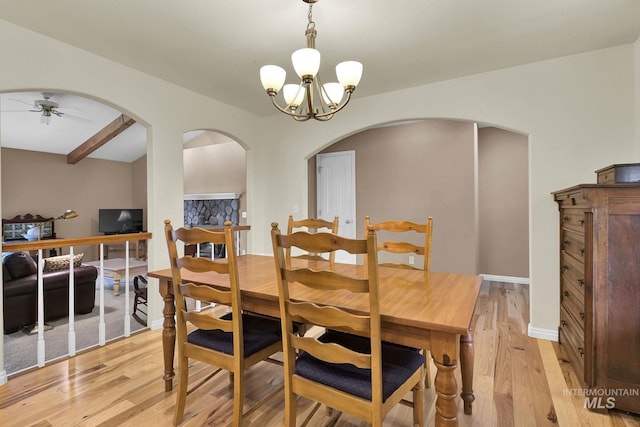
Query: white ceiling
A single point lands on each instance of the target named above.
(217, 47)
(82, 118)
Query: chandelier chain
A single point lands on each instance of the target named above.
(311, 25)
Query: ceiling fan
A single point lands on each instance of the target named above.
(47, 108)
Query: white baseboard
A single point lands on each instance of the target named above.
(156, 324)
(545, 334)
(508, 279)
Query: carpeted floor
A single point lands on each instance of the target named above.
(20, 348)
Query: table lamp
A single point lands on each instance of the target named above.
(68, 214)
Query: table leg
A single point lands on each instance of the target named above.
(466, 366)
(116, 284)
(444, 351)
(168, 333)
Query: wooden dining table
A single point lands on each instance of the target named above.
(426, 310)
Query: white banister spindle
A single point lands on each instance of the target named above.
(72, 308)
(101, 323)
(40, 345)
(127, 316)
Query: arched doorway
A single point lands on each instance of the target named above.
(215, 181)
(473, 179)
(63, 151)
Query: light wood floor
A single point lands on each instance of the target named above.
(517, 381)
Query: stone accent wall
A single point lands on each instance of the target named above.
(211, 212)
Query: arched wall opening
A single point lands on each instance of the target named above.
(215, 181)
(473, 180)
(38, 179)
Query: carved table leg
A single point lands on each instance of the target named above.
(168, 333)
(444, 350)
(116, 284)
(466, 366)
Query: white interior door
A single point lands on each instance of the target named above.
(336, 194)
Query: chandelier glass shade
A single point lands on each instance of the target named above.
(311, 99)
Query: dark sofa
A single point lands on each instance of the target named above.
(20, 291)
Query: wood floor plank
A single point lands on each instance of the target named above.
(518, 380)
(502, 377)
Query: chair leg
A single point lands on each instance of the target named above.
(418, 405)
(427, 372)
(238, 393)
(181, 394)
(290, 408)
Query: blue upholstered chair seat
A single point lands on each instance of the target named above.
(398, 364)
(259, 332)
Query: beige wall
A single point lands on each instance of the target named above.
(42, 183)
(417, 170)
(503, 203)
(218, 168)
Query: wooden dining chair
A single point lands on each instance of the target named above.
(233, 342)
(404, 247)
(312, 226)
(348, 368)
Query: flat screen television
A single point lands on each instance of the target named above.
(118, 221)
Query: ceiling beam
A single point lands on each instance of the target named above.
(103, 136)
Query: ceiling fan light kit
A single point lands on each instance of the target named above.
(311, 99)
(47, 108)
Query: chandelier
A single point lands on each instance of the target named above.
(311, 99)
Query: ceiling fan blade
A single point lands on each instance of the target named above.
(30, 104)
(14, 111)
(71, 117)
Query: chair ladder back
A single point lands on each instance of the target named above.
(206, 293)
(331, 352)
(402, 247)
(328, 316)
(326, 280)
(202, 265)
(312, 225)
(190, 264)
(203, 320)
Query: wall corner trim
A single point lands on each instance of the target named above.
(545, 334)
